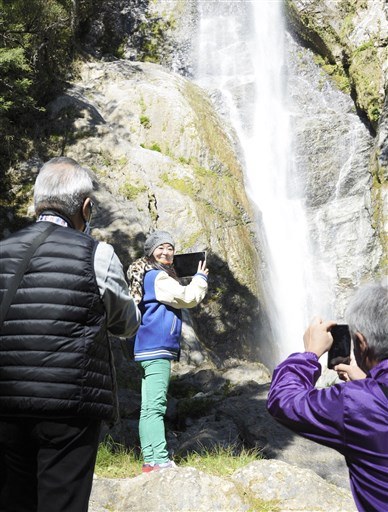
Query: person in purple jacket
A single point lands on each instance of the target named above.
(161, 297)
(352, 416)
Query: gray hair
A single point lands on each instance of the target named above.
(367, 314)
(62, 185)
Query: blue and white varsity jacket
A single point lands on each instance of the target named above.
(158, 336)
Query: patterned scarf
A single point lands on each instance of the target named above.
(135, 276)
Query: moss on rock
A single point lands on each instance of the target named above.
(379, 195)
(329, 32)
(336, 72)
(365, 77)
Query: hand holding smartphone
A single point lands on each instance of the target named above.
(340, 349)
(186, 265)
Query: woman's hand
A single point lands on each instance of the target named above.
(202, 268)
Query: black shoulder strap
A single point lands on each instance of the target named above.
(16, 280)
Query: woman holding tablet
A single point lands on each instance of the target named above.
(155, 286)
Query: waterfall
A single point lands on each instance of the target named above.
(241, 62)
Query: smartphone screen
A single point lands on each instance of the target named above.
(340, 349)
(186, 265)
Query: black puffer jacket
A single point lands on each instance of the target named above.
(55, 357)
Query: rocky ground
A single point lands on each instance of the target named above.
(265, 485)
(223, 406)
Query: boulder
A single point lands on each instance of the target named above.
(264, 484)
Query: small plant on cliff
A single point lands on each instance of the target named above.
(145, 121)
(130, 191)
(153, 147)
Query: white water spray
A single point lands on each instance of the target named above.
(241, 55)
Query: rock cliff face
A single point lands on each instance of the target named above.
(340, 138)
(332, 149)
(351, 38)
(143, 30)
(165, 162)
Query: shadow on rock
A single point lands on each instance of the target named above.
(231, 321)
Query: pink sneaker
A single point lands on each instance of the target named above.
(147, 467)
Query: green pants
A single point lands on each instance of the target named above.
(154, 385)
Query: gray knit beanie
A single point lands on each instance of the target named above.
(155, 239)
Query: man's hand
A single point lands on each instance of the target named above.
(349, 372)
(317, 338)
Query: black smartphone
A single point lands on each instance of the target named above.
(340, 349)
(186, 265)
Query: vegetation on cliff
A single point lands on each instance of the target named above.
(36, 52)
(40, 43)
(356, 63)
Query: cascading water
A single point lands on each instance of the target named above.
(240, 57)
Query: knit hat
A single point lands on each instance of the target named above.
(155, 239)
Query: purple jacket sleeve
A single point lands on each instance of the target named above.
(293, 401)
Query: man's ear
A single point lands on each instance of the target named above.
(367, 359)
(86, 209)
(363, 344)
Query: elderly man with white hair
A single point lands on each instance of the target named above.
(351, 417)
(61, 293)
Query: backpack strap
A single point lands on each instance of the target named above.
(18, 276)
